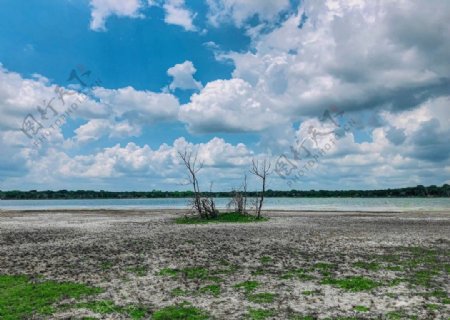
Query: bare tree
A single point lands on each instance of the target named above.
(239, 198)
(204, 206)
(190, 162)
(261, 170)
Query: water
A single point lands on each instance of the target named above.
(304, 204)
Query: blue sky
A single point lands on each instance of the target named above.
(232, 80)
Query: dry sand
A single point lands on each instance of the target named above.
(106, 248)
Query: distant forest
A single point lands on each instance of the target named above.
(418, 191)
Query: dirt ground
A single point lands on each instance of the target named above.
(294, 266)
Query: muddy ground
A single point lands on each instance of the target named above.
(294, 266)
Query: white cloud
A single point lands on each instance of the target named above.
(228, 105)
(141, 162)
(239, 12)
(97, 128)
(102, 9)
(183, 76)
(178, 14)
(139, 106)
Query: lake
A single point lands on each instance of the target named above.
(304, 204)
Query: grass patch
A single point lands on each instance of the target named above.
(213, 289)
(263, 297)
(178, 292)
(183, 311)
(265, 259)
(361, 308)
(221, 218)
(259, 314)
(168, 272)
(195, 273)
(105, 266)
(372, 266)
(301, 317)
(297, 273)
(138, 271)
(423, 277)
(20, 298)
(248, 286)
(354, 284)
(107, 306)
(310, 292)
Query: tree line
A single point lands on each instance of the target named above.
(417, 191)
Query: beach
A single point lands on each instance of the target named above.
(377, 265)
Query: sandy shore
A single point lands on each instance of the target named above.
(299, 258)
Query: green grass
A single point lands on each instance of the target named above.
(423, 277)
(372, 266)
(106, 265)
(310, 293)
(183, 311)
(297, 273)
(213, 289)
(107, 306)
(354, 284)
(221, 218)
(140, 271)
(178, 292)
(259, 314)
(248, 286)
(301, 317)
(263, 297)
(432, 306)
(361, 308)
(195, 273)
(168, 272)
(265, 259)
(20, 298)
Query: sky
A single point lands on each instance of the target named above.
(336, 94)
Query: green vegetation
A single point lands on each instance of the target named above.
(22, 298)
(139, 271)
(178, 292)
(168, 272)
(361, 308)
(221, 218)
(106, 265)
(297, 273)
(352, 283)
(183, 311)
(248, 286)
(301, 317)
(418, 191)
(106, 307)
(259, 314)
(263, 297)
(213, 289)
(372, 266)
(310, 292)
(265, 259)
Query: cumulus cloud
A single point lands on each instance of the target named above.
(102, 9)
(178, 14)
(238, 12)
(227, 106)
(134, 161)
(183, 76)
(309, 64)
(139, 106)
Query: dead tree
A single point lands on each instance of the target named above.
(239, 198)
(190, 162)
(261, 170)
(204, 206)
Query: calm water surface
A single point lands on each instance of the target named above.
(316, 204)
